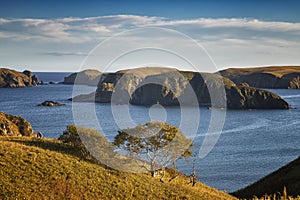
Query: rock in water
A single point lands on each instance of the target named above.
(51, 103)
(12, 79)
(11, 125)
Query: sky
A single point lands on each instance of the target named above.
(111, 35)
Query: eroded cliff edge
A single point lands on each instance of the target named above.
(12, 79)
(171, 87)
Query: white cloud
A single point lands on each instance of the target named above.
(253, 24)
(230, 40)
(87, 29)
(65, 53)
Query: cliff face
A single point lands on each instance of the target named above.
(286, 77)
(12, 79)
(174, 87)
(11, 125)
(86, 77)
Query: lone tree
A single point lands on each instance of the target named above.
(154, 145)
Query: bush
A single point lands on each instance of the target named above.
(88, 143)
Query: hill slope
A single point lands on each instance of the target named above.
(87, 77)
(48, 169)
(277, 77)
(288, 176)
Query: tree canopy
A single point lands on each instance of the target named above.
(155, 144)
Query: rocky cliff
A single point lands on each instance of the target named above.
(279, 77)
(12, 79)
(172, 87)
(87, 77)
(11, 125)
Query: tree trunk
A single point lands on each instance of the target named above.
(153, 171)
(163, 176)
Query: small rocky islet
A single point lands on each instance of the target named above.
(51, 104)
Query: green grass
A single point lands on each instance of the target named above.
(33, 168)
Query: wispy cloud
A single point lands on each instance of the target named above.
(70, 29)
(253, 24)
(249, 39)
(65, 53)
(87, 29)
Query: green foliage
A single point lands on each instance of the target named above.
(71, 136)
(156, 143)
(89, 143)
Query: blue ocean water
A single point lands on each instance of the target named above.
(52, 76)
(252, 144)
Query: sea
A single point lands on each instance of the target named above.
(250, 145)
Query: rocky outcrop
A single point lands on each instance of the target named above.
(11, 125)
(12, 79)
(173, 87)
(51, 104)
(261, 99)
(87, 77)
(280, 77)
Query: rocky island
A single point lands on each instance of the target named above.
(171, 87)
(87, 77)
(278, 77)
(13, 79)
(51, 103)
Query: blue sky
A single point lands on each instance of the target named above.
(57, 35)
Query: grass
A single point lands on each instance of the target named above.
(33, 168)
(277, 71)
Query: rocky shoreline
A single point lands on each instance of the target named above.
(171, 87)
(13, 79)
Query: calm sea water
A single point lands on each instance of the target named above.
(253, 143)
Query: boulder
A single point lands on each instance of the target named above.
(11, 125)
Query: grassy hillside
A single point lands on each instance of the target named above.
(277, 71)
(287, 176)
(33, 168)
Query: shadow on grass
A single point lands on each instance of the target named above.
(59, 147)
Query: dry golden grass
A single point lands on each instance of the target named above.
(277, 71)
(33, 168)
